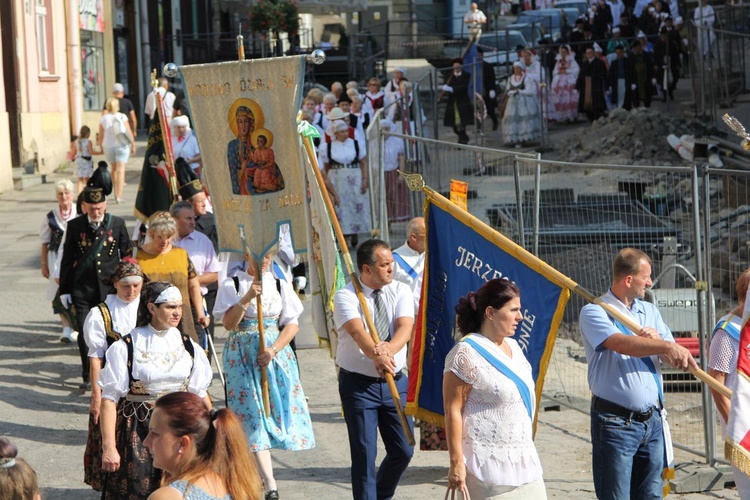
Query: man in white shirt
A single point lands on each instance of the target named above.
(365, 397)
(200, 250)
(474, 19)
(408, 259)
(166, 96)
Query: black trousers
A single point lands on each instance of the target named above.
(83, 307)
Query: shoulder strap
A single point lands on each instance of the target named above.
(190, 350)
(128, 339)
(505, 370)
(329, 150)
(112, 335)
(356, 150)
(405, 266)
(236, 281)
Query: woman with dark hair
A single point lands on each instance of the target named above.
(202, 452)
(17, 478)
(105, 325)
(153, 360)
(487, 382)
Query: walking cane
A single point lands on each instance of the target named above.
(210, 341)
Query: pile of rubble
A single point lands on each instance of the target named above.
(637, 137)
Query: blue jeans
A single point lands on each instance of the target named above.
(627, 456)
(368, 407)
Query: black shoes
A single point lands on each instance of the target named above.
(272, 495)
(85, 386)
(495, 124)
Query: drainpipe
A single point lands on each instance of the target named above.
(75, 89)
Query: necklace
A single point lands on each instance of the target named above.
(65, 214)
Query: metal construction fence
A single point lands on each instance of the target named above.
(693, 221)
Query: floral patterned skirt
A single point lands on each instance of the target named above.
(92, 457)
(354, 207)
(289, 426)
(136, 478)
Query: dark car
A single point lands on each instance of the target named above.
(553, 21)
(581, 5)
(532, 32)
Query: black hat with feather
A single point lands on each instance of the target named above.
(99, 185)
(187, 179)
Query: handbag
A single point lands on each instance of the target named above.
(121, 133)
(453, 494)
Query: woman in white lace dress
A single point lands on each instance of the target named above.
(489, 398)
(563, 95)
(521, 121)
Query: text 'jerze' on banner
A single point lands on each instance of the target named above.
(460, 260)
(244, 115)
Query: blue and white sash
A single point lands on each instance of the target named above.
(725, 323)
(527, 393)
(406, 267)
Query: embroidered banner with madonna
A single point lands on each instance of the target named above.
(244, 115)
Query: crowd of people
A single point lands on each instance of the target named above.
(142, 312)
(618, 55)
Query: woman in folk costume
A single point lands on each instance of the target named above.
(185, 144)
(105, 325)
(563, 95)
(396, 192)
(345, 164)
(52, 234)
(152, 360)
(289, 426)
(374, 97)
(521, 121)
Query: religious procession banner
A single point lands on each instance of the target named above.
(244, 115)
(459, 260)
(324, 262)
(737, 445)
(154, 189)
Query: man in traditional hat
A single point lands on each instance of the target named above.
(94, 245)
(667, 58)
(592, 80)
(489, 88)
(642, 69)
(458, 113)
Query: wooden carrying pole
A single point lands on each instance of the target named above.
(166, 136)
(357, 286)
(262, 338)
(416, 183)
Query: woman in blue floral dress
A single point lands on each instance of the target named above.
(288, 427)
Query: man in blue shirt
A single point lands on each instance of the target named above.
(626, 384)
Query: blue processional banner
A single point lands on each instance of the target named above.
(460, 260)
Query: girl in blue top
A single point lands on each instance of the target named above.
(203, 453)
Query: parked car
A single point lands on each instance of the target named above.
(532, 32)
(581, 5)
(500, 49)
(552, 21)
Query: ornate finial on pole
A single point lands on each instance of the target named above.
(739, 129)
(413, 181)
(241, 45)
(154, 81)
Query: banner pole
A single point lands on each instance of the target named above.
(309, 149)
(168, 155)
(416, 183)
(262, 338)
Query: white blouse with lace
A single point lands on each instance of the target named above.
(160, 365)
(123, 315)
(286, 305)
(498, 448)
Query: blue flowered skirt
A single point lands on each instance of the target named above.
(288, 427)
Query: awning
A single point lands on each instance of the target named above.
(330, 7)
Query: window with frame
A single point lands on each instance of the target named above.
(43, 18)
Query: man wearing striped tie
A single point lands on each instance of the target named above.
(366, 400)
